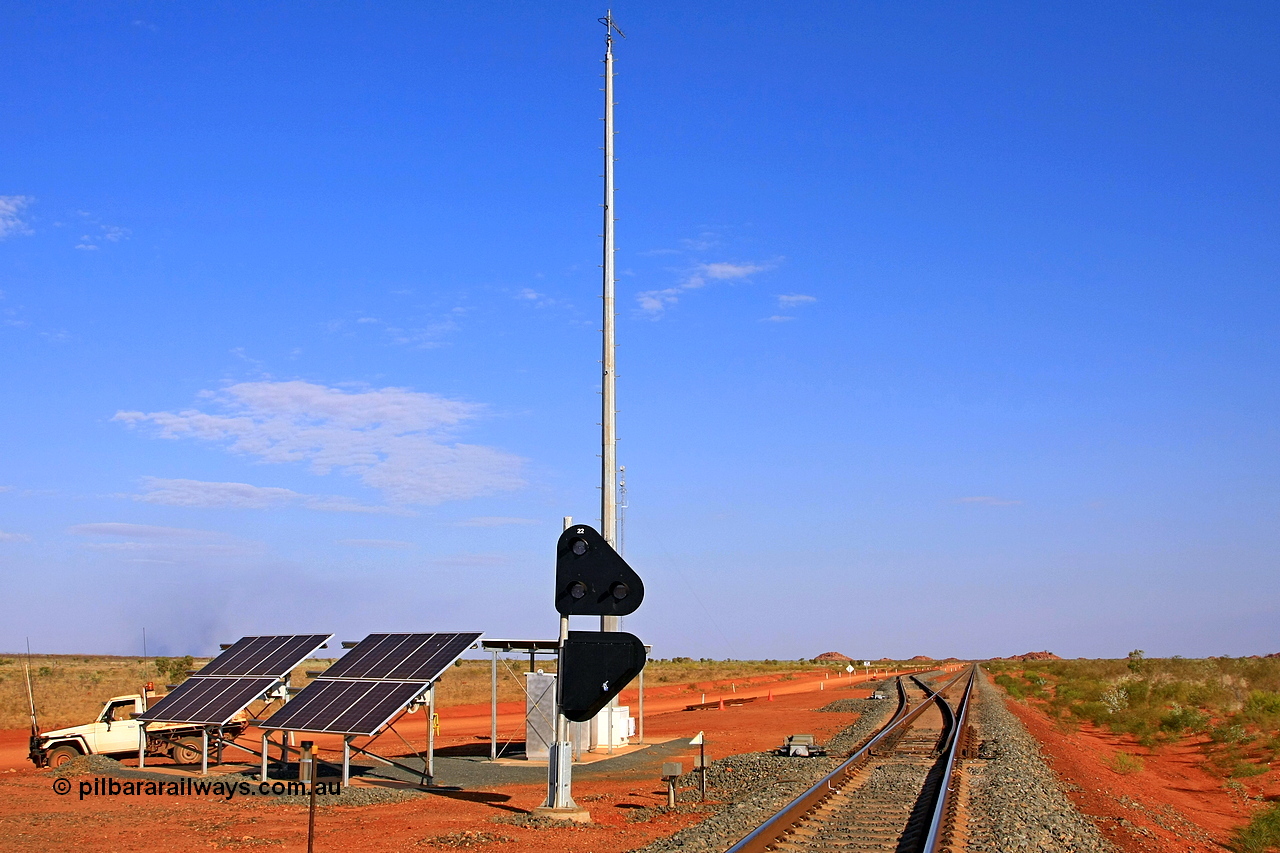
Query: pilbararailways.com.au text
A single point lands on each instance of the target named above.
(105, 786)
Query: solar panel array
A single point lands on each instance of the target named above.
(208, 701)
(372, 683)
(265, 655)
(402, 657)
(227, 685)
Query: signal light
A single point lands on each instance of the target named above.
(592, 579)
(595, 667)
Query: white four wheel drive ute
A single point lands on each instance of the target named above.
(116, 733)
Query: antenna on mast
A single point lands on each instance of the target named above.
(608, 378)
(31, 696)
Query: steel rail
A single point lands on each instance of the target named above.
(933, 842)
(772, 830)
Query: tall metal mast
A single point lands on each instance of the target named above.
(608, 361)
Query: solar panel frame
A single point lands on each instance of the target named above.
(208, 701)
(275, 654)
(372, 683)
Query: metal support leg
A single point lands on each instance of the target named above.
(560, 761)
(204, 751)
(262, 777)
(431, 735)
(142, 746)
(493, 708)
(346, 760)
(218, 759)
(641, 720)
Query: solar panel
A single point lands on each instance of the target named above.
(372, 683)
(402, 657)
(345, 707)
(208, 701)
(272, 655)
(250, 668)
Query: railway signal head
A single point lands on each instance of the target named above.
(592, 579)
(595, 666)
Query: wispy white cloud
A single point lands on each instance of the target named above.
(100, 233)
(14, 537)
(9, 316)
(701, 243)
(534, 297)
(777, 318)
(493, 521)
(398, 441)
(149, 543)
(139, 531)
(704, 241)
(987, 500)
(11, 222)
(376, 543)
(199, 493)
(790, 300)
(655, 302)
(430, 336)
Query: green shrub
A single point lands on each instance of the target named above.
(1245, 769)
(1229, 733)
(1095, 712)
(1261, 834)
(1262, 708)
(1126, 764)
(1011, 686)
(1180, 719)
(175, 669)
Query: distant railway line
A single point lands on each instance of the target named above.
(897, 792)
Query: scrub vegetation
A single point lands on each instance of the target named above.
(71, 689)
(1261, 834)
(1230, 705)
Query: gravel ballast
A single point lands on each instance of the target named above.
(753, 786)
(1016, 802)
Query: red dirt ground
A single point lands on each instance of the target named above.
(1173, 804)
(33, 817)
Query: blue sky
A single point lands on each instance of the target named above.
(943, 329)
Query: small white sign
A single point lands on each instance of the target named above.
(866, 663)
(849, 668)
(697, 740)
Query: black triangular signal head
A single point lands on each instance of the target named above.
(592, 579)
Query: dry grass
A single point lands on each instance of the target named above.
(71, 689)
(1126, 764)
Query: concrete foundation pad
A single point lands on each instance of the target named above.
(577, 815)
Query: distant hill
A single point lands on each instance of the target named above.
(831, 656)
(1033, 656)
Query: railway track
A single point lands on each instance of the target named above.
(895, 793)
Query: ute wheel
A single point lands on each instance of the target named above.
(60, 755)
(186, 751)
